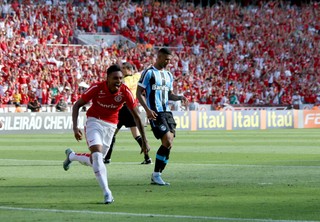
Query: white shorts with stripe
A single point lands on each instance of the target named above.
(99, 132)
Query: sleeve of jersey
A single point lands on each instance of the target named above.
(171, 81)
(144, 79)
(89, 93)
(131, 102)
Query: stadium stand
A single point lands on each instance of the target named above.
(226, 53)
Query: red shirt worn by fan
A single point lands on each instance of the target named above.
(105, 105)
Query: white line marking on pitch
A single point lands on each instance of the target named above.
(45, 162)
(146, 215)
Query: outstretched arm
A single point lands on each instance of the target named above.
(175, 97)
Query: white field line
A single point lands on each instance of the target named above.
(147, 215)
(58, 162)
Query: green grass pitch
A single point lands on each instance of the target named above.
(268, 175)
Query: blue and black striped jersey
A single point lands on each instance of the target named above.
(157, 84)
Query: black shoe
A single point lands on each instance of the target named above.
(148, 161)
(107, 161)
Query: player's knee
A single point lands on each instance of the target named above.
(167, 142)
(95, 148)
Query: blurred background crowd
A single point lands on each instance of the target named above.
(225, 52)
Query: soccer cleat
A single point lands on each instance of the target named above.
(157, 180)
(108, 199)
(67, 162)
(148, 161)
(107, 161)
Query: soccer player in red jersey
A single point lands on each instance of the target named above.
(102, 117)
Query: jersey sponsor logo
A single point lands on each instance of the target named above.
(155, 87)
(102, 94)
(107, 106)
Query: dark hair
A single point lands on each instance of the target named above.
(165, 51)
(113, 68)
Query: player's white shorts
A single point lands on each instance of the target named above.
(99, 132)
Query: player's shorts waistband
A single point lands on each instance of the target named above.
(101, 121)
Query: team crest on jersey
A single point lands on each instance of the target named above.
(163, 127)
(118, 98)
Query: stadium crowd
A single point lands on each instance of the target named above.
(262, 54)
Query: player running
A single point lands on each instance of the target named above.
(102, 117)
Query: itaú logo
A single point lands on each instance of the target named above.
(155, 87)
(312, 118)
